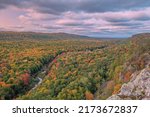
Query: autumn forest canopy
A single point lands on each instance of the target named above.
(67, 66)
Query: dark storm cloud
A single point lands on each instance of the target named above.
(43, 6)
(112, 5)
(144, 18)
(5, 3)
(17, 3)
(60, 6)
(52, 6)
(124, 20)
(116, 20)
(128, 24)
(89, 6)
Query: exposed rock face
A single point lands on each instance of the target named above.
(137, 88)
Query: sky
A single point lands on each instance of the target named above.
(98, 18)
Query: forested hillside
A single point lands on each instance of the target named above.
(73, 67)
(38, 36)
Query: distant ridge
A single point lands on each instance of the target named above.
(4, 35)
(10, 35)
(141, 35)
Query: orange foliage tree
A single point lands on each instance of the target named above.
(89, 95)
(25, 78)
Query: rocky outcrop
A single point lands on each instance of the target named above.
(137, 88)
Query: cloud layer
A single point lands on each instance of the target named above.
(87, 17)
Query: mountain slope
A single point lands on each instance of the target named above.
(38, 36)
(138, 66)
